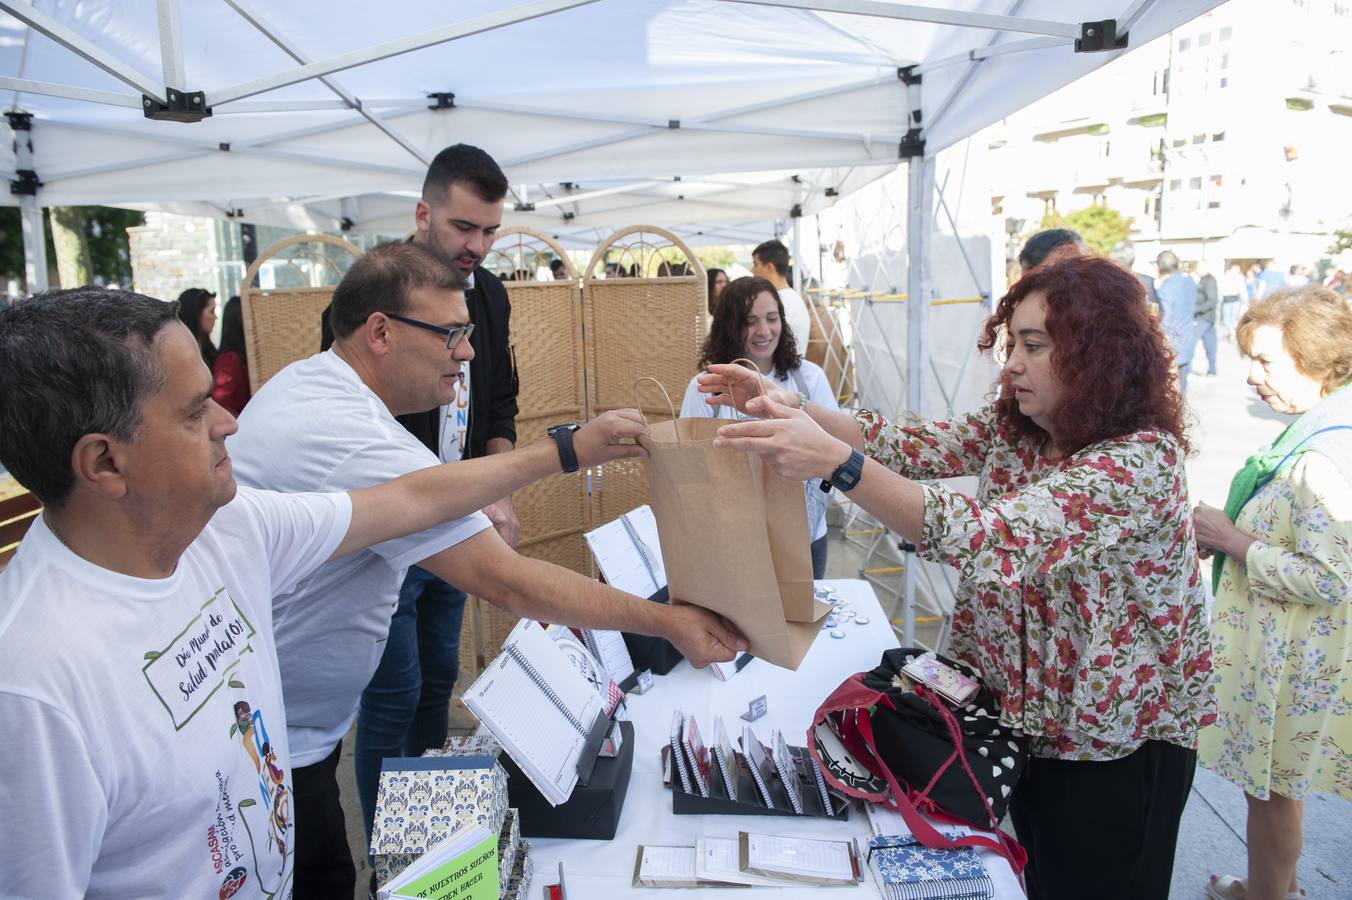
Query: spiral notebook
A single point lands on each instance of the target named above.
(539, 707)
(629, 553)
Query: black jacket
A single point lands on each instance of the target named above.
(492, 373)
(1207, 297)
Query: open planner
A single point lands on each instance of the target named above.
(541, 709)
(629, 554)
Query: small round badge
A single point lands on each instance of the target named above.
(837, 633)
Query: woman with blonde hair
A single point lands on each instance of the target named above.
(1282, 628)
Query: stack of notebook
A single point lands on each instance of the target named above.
(905, 870)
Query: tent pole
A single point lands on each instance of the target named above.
(34, 245)
(919, 185)
(797, 257)
(30, 213)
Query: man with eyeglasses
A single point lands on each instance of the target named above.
(400, 324)
(405, 710)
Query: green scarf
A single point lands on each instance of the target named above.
(1260, 468)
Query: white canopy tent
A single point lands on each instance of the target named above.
(715, 114)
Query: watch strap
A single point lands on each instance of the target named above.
(563, 440)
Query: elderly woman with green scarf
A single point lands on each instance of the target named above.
(1283, 579)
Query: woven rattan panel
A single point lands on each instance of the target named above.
(281, 327)
(547, 345)
(637, 327)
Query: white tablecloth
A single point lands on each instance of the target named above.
(601, 869)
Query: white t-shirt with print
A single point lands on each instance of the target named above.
(142, 722)
(453, 431)
(797, 317)
(315, 426)
(818, 391)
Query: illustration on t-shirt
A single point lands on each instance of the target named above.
(201, 667)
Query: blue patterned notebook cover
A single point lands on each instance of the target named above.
(908, 871)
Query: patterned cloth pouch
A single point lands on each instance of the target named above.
(884, 738)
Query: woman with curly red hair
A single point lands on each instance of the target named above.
(1079, 595)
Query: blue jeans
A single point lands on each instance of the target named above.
(405, 708)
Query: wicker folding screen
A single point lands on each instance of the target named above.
(281, 324)
(648, 317)
(546, 341)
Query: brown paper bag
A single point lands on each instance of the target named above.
(734, 537)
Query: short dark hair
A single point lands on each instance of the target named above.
(557, 265)
(380, 281)
(76, 362)
(726, 332)
(463, 164)
(773, 253)
(1038, 247)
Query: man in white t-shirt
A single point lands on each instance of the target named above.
(400, 324)
(141, 701)
(770, 261)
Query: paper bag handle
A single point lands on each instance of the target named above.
(639, 406)
(760, 380)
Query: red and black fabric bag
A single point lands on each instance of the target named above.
(884, 738)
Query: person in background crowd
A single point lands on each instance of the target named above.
(1124, 254)
(1204, 316)
(1234, 293)
(197, 310)
(770, 261)
(1268, 280)
(1178, 304)
(1296, 276)
(1048, 247)
(718, 280)
(1282, 623)
(749, 324)
(230, 371)
(558, 269)
(140, 686)
(1079, 591)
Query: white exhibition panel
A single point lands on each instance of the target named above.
(605, 869)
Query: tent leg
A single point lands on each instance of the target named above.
(34, 245)
(919, 187)
(797, 261)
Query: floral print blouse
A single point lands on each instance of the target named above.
(1080, 595)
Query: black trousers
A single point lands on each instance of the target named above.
(324, 868)
(1105, 830)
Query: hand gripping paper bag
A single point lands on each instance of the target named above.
(734, 536)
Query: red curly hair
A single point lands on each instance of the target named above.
(1115, 366)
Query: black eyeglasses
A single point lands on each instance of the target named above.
(453, 335)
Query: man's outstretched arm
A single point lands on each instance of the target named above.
(486, 567)
(426, 498)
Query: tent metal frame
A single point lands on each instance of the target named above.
(173, 77)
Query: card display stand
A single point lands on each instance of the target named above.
(748, 802)
(593, 810)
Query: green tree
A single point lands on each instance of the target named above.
(715, 257)
(1342, 240)
(101, 229)
(1102, 227)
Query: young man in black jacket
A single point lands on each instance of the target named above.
(404, 708)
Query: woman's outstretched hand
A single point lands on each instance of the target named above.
(735, 385)
(787, 439)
